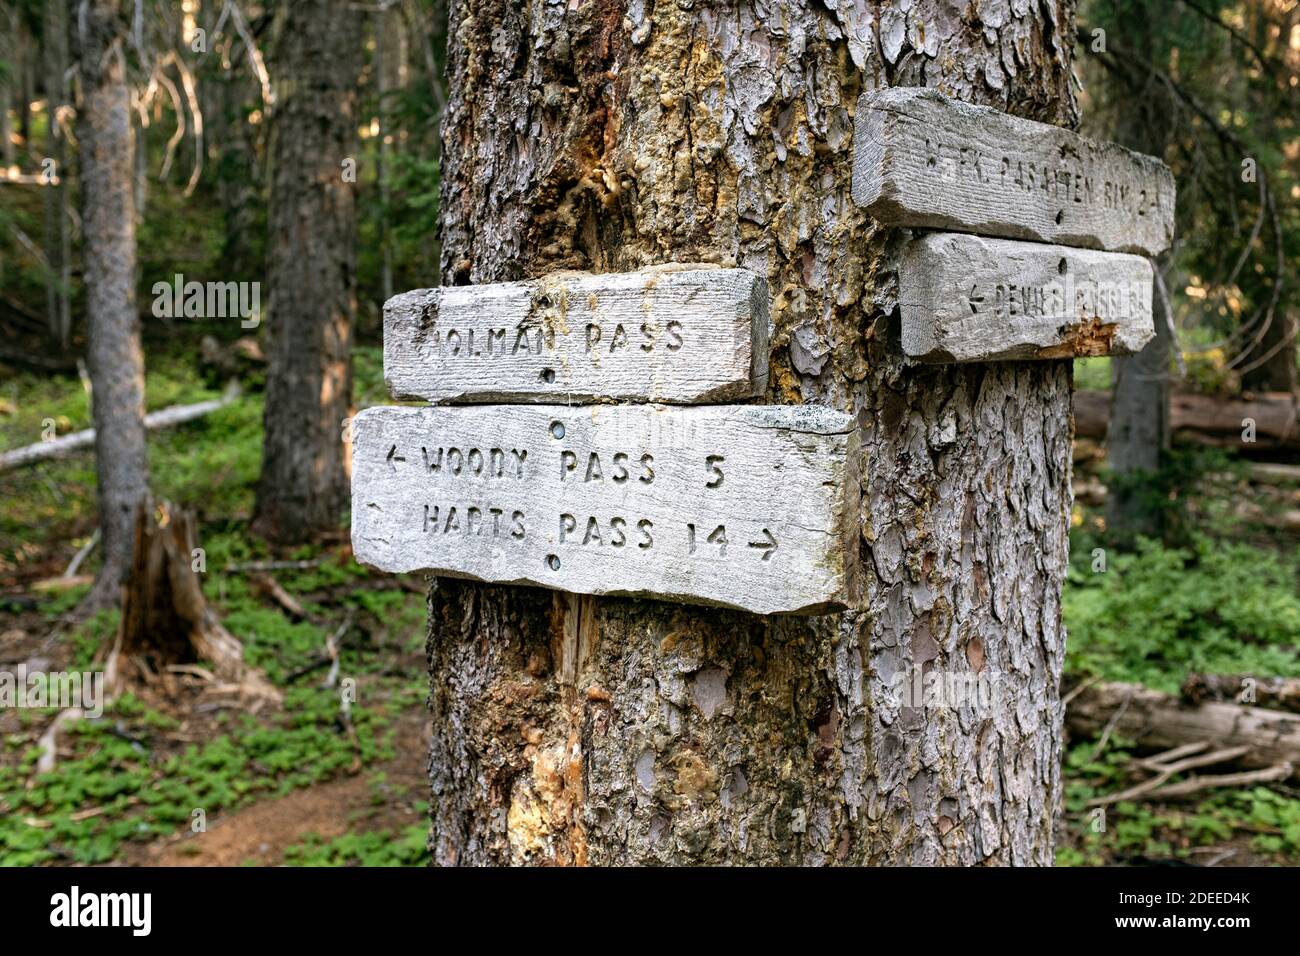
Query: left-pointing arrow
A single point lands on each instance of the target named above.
(394, 456)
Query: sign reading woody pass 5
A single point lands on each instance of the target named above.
(747, 507)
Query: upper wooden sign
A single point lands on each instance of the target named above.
(970, 299)
(745, 506)
(665, 334)
(924, 159)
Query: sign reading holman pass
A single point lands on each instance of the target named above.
(750, 507)
(924, 159)
(970, 299)
(664, 334)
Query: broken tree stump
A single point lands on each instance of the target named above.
(166, 621)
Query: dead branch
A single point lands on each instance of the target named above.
(268, 586)
(66, 444)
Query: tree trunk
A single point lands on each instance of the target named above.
(231, 90)
(57, 240)
(1271, 365)
(115, 360)
(311, 272)
(1139, 419)
(572, 729)
(1138, 436)
(8, 51)
(387, 79)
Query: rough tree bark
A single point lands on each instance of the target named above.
(606, 137)
(114, 357)
(311, 272)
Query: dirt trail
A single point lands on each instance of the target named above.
(261, 832)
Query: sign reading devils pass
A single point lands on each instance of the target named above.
(971, 299)
(665, 334)
(747, 507)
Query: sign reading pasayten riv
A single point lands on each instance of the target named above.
(665, 334)
(923, 159)
(971, 299)
(748, 506)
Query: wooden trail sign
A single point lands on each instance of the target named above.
(924, 159)
(970, 299)
(748, 506)
(665, 334)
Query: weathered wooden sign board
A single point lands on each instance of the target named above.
(749, 507)
(666, 334)
(924, 159)
(969, 299)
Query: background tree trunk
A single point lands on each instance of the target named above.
(8, 81)
(114, 358)
(1138, 435)
(58, 250)
(311, 273)
(1271, 365)
(570, 729)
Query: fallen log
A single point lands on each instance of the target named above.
(1205, 420)
(1090, 491)
(41, 363)
(1159, 722)
(1276, 693)
(1270, 473)
(66, 444)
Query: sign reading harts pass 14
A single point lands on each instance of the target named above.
(666, 334)
(747, 507)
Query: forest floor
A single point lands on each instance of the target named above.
(184, 777)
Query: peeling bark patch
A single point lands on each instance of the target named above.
(645, 770)
(709, 690)
(1093, 337)
(695, 779)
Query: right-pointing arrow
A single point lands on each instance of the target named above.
(768, 547)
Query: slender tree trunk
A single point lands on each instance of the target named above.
(115, 359)
(311, 257)
(57, 239)
(8, 81)
(1271, 365)
(1137, 437)
(387, 51)
(25, 63)
(571, 729)
(240, 177)
(1138, 434)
